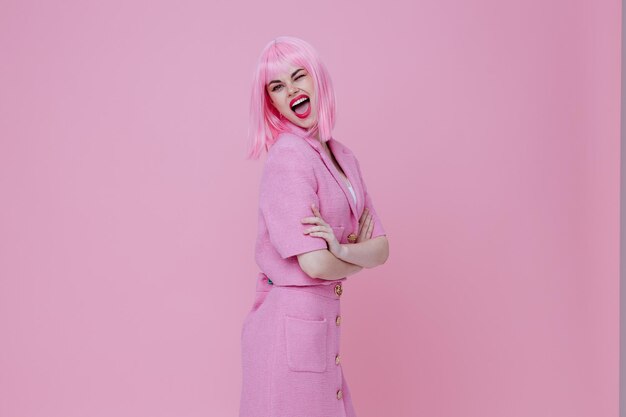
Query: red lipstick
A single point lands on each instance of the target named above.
(308, 110)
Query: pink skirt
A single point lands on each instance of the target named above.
(291, 362)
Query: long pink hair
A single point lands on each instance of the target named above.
(265, 121)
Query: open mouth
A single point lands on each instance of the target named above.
(301, 106)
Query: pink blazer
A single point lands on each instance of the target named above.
(297, 172)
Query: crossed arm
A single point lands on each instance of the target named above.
(353, 257)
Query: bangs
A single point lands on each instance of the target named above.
(279, 59)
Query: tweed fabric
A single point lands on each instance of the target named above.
(290, 338)
(297, 172)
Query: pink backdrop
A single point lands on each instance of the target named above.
(488, 133)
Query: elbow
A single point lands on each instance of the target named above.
(311, 270)
(384, 256)
(380, 260)
(383, 252)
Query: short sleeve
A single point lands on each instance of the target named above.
(288, 188)
(378, 230)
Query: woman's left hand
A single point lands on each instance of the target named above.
(322, 230)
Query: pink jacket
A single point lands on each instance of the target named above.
(298, 172)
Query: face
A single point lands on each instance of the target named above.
(292, 93)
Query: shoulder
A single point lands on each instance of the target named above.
(290, 160)
(286, 142)
(289, 149)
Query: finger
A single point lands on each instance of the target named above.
(363, 217)
(310, 230)
(362, 229)
(318, 214)
(326, 236)
(366, 228)
(315, 210)
(367, 219)
(310, 220)
(370, 228)
(362, 221)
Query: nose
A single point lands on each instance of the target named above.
(292, 89)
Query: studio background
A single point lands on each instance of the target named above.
(488, 135)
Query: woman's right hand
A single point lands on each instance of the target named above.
(366, 226)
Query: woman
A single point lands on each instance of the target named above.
(317, 226)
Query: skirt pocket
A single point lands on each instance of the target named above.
(305, 344)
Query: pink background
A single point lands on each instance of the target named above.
(488, 134)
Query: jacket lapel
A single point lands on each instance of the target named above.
(347, 164)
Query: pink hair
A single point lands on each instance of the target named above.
(265, 121)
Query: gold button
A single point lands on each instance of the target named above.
(351, 238)
(338, 320)
(338, 289)
(339, 395)
(337, 360)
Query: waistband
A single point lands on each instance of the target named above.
(326, 290)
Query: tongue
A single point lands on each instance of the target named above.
(302, 108)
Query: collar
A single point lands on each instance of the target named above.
(342, 156)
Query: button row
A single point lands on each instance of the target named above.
(338, 289)
(338, 358)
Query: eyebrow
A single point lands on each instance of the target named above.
(292, 75)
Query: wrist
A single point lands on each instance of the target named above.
(343, 251)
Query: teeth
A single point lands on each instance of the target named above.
(299, 101)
